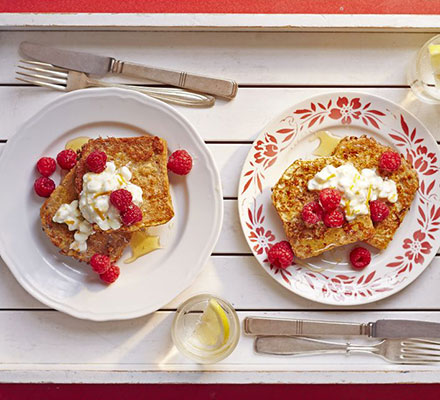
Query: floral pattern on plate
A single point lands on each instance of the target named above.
(285, 139)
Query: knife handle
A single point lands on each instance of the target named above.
(218, 87)
(299, 327)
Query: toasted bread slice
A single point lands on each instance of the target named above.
(112, 244)
(364, 152)
(146, 157)
(289, 196)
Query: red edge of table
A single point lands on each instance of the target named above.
(218, 392)
(224, 6)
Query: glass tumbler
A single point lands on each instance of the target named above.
(188, 317)
(421, 76)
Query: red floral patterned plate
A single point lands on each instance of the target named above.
(328, 278)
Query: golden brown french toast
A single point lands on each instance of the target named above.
(146, 157)
(111, 244)
(364, 152)
(289, 196)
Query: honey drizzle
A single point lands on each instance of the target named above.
(327, 143)
(141, 244)
(77, 143)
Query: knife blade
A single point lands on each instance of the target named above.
(100, 65)
(83, 62)
(383, 328)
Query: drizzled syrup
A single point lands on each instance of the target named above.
(327, 143)
(76, 143)
(141, 243)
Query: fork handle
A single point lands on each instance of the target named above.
(170, 95)
(199, 83)
(288, 345)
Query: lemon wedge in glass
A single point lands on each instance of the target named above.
(212, 331)
(434, 52)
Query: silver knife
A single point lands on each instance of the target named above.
(99, 66)
(383, 328)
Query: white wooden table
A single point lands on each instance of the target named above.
(274, 70)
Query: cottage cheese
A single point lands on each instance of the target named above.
(70, 215)
(94, 200)
(357, 188)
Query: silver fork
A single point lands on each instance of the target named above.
(47, 75)
(398, 351)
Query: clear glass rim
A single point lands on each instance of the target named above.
(414, 72)
(223, 351)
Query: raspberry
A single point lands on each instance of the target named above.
(100, 263)
(46, 166)
(96, 161)
(390, 161)
(334, 219)
(378, 210)
(180, 162)
(280, 254)
(311, 213)
(360, 257)
(329, 199)
(44, 186)
(121, 199)
(67, 159)
(131, 215)
(111, 274)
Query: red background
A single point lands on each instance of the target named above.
(226, 6)
(219, 392)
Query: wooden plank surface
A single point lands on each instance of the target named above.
(140, 350)
(241, 119)
(250, 58)
(242, 281)
(275, 71)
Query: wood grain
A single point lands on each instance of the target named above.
(249, 58)
(275, 71)
(242, 281)
(62, 348)
(241, 119)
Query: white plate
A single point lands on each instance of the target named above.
(153, 280)
(328, 278)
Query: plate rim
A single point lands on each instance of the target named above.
(204, 253)
(329, 301)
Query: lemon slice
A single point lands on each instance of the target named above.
(434, 52)
(212, 331)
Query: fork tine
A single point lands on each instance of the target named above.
(421, 351)
(420, 341)
(47, 78)
(418, 362)
(45, 84)
(43, 64)
(421, 346)
(46, 71)
(419, 355)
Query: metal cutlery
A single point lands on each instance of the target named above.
(398, 351)
(47, 75)
(99, 66)
(383, 328)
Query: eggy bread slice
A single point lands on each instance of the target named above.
(111, 244)
(365, 152)
(146, 157)
(290, 194)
